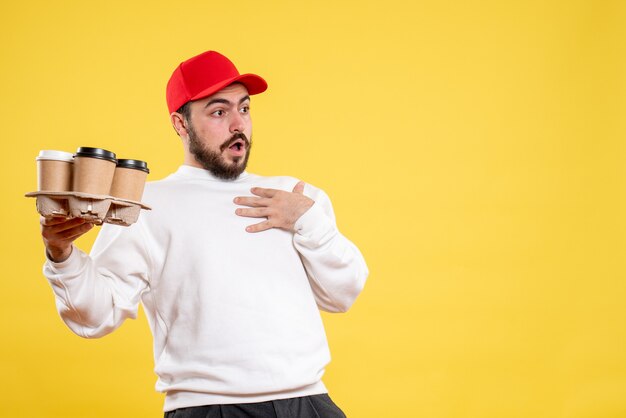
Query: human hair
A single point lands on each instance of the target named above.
(185, 111)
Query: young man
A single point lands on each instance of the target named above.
(231, 268)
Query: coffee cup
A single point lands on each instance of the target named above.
(129, 179)
(54, 171)
(93, 170)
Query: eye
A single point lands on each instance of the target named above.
(245, 109)
(218, 113)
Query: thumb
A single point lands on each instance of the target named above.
(299, 188)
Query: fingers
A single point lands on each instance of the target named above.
(266, 193)
(58, 235)
(67, 231)
(254, 202)
(299, 187)
(260, 191)
(73, 233)
(252, 212)
(55, 225)
(281, 208)
(53, 221)
(58, 238)
(55, 230)
(261, 226)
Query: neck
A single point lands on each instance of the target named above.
(191, 160)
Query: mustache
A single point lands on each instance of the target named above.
(233, 139)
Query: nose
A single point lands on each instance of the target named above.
(236, 123)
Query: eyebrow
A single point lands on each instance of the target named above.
(226, 102)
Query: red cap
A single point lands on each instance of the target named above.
(205, 74)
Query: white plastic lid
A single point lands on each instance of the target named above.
(48, 154)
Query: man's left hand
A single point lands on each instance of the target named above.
(282, 209)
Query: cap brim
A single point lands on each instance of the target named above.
(253, 83)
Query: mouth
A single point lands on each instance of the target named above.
(238, 145)
(238, 148)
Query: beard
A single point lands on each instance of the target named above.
(214, 161)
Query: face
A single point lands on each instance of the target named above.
(219, 131)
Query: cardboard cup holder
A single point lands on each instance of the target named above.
(95, 195)
(97, 209)
(123, 213)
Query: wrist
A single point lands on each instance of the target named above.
(58, 255)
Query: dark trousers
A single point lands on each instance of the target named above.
(315, 406)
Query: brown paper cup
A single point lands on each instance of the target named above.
(93, 171)
(54, 171)
(129, 180)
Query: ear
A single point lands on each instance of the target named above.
(178, 122)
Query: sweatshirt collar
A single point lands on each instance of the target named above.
(190, 172)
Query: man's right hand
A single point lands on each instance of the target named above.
(59, 233)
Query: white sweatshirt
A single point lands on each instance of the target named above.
(234, 315)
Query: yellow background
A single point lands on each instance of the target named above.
(474, 151)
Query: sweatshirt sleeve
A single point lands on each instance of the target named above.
(96, 293)
(334, 265)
